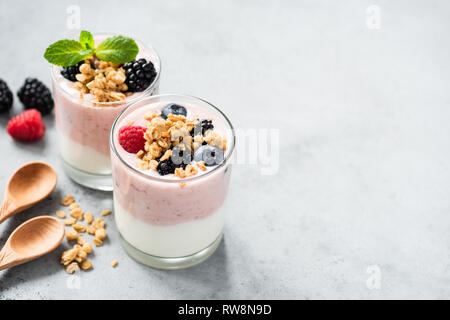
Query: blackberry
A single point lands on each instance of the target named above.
(35, 95)
(6, 97)
(202, 127)
(70, 72)
(140, 74)
(179, 159)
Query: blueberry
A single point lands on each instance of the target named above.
(174, 109)
(211, 155)
(179, 157)
(165, 167)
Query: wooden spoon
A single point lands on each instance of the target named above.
(31, 183)
(32, 239)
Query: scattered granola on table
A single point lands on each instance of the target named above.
(106, 212)
(60, 214)
(66, 201)
(71, 235)
(75, 258)
(70, 221)
(77, 213)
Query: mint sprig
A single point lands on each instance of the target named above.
(87, 40)
(116, 49)
(67, 53)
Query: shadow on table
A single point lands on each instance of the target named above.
(43, 267)
(209, 278)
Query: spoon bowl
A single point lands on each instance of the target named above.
(31, 240)
(31, 183)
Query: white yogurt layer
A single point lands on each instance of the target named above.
(83, 157)
(176, 240)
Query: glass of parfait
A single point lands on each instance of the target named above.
(171, 170)
(88, 97)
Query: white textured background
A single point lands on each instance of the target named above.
(365, 141)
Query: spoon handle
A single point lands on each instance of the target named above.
(6, 208)
(8, 258)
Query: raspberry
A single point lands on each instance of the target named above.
(131, 138)
(27, 126)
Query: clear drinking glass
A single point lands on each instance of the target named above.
(163, 223)
(83, 126)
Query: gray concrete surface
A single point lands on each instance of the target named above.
(359, 207)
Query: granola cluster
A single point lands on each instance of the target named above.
(104, 80)
(162, 135)
(76, 258)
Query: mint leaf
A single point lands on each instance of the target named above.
(117, 49)
(87, 40)
(66, 53)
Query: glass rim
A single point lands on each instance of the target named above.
(127, 100)
(178, 180)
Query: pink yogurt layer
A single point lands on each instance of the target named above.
(159, 200)
(84, 123)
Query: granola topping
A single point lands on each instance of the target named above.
(104, 80)
(110, 82)
(171, 143)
